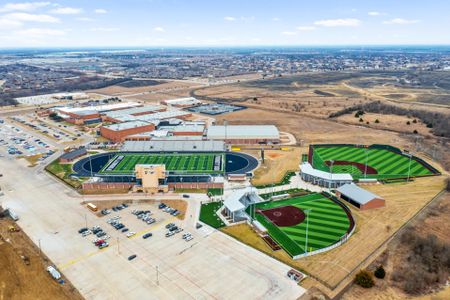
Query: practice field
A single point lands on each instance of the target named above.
(367, 162)
(287, 220)
(197, 163)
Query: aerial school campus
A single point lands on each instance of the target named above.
(207, 175)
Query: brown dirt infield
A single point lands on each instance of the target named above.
(360, 166)
(284, 216)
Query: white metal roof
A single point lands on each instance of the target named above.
(308, 169)
(182, 101)
(174, 146)
(243, 131)
(232, 202)
(99, 108)
(127, 125)
(155, 116)
(134, 110)
(357, 193)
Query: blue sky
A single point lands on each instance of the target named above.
(127, 23)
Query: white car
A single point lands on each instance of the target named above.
(186, 235)
(86, 233)
(189, 238)
(130, 234)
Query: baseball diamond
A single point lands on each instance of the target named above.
(327, 220)
(379, 162)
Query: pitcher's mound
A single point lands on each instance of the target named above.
(284, 216)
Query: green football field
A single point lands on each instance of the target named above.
(186, 163)
(328, 223)
(388, 164)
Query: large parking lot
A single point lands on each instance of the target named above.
(58, 132)
(15, 141)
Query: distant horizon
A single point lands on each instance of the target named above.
(151, 47)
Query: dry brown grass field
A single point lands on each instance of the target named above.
(434, 221)
(19, 281)
(277, 164)
(117, 90)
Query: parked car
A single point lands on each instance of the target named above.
(169, 233)
(161, 206)
(125, 230)
(83, 230)
(147, 235)
(131, 257)
(130, 234)
(86, 233)
(189, 238)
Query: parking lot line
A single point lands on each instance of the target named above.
(153, 227)
(76, 260)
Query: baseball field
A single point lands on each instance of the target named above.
(367, 162)
(195, 163)
(310, 222)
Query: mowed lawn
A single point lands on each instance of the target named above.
(190, 163)
(387, 163)
(328, 222)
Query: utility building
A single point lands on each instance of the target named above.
(359, 197)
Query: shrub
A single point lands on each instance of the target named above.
(364, 279)
(361, 120)
(408, 123)
(414, 121)
(377, 121)
(415, 131)
(379, 272)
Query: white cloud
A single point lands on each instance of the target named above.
(66, 11)
(400, 21)
(306, 28)
(85, 19)
(289, 33)
(159, 29)
(247, 19)
(230, 19)
(24, 6)
(26, 17)
(100, 11)
(276, 19)
(374, 13)
(338, 23)
(40, 32)
(104, 29)
(9, 24)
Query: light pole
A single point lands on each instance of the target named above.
(409, 166)
(307, 211)
(331, 172)
(367, 161)
(157, 276)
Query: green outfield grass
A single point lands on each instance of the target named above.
(194, 163)
(388, 164)
(328, 222)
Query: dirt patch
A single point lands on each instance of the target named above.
(284, 216)
(23, 272)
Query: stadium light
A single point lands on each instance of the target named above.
(307, 211)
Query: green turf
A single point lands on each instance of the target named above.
(387, 163)
(193, 163)
(208, 214)
(328, 222)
